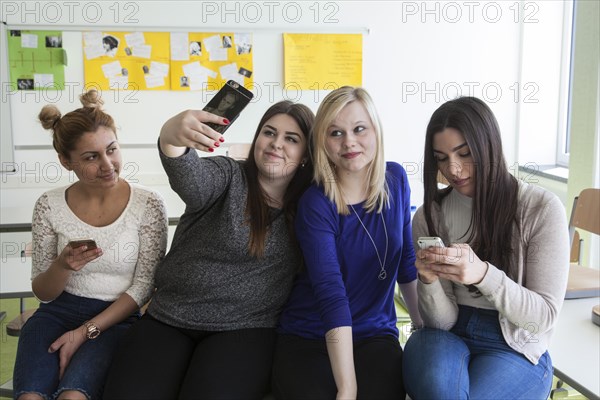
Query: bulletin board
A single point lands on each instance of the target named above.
(255, 58)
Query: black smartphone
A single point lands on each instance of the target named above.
(228, 103)
(90, 243)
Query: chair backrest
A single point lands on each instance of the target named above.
(238, 151)
(583, 281)
(586, 212)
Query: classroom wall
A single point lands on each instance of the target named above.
(417, 55)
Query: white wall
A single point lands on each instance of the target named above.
(417, 55)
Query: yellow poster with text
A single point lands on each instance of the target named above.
(322, 61)
(126, 60)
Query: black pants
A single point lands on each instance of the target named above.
(158, 361)
(301, 369)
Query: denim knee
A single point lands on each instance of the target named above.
(435, 365)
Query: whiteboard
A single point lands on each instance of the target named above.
(6, 142)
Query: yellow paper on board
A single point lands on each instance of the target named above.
(207, 60)
(322, 61)
(126, 60)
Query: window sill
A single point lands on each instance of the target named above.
(552, 172)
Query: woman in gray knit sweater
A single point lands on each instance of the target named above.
(209, 332)
(490, 300)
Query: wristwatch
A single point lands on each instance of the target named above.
(91, 330)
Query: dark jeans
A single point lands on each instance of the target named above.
(302, 370)
(159, 361)
(36, 370)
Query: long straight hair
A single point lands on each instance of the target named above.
(325, 172)
(496, 190)
(257, 210)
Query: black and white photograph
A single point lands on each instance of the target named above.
(227, 42)
(111, 45)
(25, 84)
(54, 41)
(245, 72)
(195, 49)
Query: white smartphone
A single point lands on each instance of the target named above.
(426, 242)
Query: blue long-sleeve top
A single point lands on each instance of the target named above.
(339, 285)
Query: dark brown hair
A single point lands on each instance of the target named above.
(257, 210)
(67, 130)
(496, 190)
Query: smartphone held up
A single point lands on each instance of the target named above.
(228, 103)
(90, 243)
(426, 242)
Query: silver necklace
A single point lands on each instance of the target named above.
(382, 274)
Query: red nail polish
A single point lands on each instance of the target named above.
(217, 144)
(221, 139)
(225, 121)
(210, 149)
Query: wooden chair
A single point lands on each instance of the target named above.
(585, 216)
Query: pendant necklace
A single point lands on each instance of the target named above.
(382, 274)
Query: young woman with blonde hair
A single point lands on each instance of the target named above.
(338, 334)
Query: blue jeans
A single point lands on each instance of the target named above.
(472, 361)
(36, 370)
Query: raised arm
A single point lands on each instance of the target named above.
(188, 129)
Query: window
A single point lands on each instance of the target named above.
(564, 114)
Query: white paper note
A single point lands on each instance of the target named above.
(135, 39)
(179, 46)
(29, 41)
(92, 52)
(154, 81)
(159, 69)
(144, 51)
(43, 80)
(112, 69)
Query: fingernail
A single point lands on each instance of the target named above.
(225, 121)
(217, 144)
(221, 139)
(210, 149)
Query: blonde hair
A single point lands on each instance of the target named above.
(67, 129)
(325, 172)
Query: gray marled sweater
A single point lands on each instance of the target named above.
(208, 280)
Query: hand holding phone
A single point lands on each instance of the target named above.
(423, 267)
(426, 242)
(228, 103)
(90, 243)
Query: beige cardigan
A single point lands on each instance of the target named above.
(528, 308)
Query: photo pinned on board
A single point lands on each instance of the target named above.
(245, 72)
(25, 84)
(54, 41)
(195, 49)
(111, 45)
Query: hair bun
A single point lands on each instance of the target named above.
(92, 99)
(49, 116)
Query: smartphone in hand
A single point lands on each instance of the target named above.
(228, 103)
(90, 243)
(426, 242)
